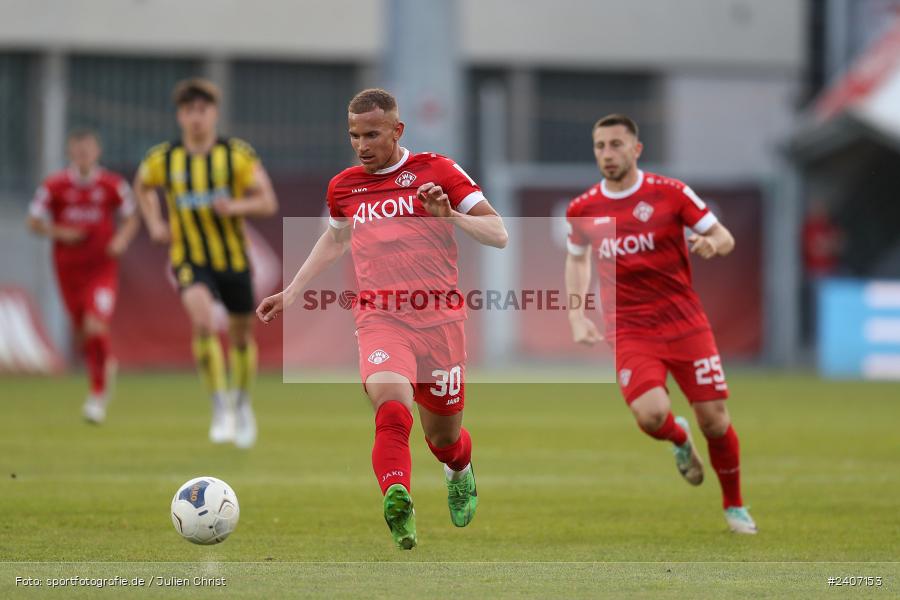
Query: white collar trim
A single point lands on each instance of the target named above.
(392, 168)
(623, 193)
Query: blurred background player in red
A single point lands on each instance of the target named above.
(658, 325)
(823, 241)
(381, 209)
(823, 245)
(90, 215)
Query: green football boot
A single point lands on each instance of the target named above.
(400, 516)
(462, 497)
(686, 458)
(739, 520)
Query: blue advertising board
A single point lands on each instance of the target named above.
(859, 328)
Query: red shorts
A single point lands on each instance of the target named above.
(89, 291)
(693, 360)
(433, 359)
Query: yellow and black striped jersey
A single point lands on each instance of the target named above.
(191, 183)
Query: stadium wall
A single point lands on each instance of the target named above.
(657, 34)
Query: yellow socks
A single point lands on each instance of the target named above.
(243, 369)
(210, 363)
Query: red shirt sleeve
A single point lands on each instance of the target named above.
(462, 190)
(577, 242)
(693, 211)
(124, 199)
(336, 218)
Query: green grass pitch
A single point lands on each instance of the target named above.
(575, 501)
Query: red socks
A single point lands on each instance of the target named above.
(390, 454)
(724, 454)
(96, 351)
(670, 431)
(391, 460)
(458, 455)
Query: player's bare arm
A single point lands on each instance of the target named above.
(60, 233)
(259, 200)
(718, 241)
(128, 228)
(482, 223)
(328, 249)
(149, 204)
(578, 279)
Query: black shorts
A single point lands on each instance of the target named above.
(234, 289)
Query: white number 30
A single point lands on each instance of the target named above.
(705, 366)
(447, 381)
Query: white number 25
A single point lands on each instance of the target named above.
(705, 366)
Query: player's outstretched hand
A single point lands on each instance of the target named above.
(702, 245)
(436, 202)
(270, 307)
(584, 331)
(116, 247)
(222, 206)
(159, 233)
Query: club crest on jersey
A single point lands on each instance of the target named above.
(642, 212)
(405, 179)
(97, 195)
(625, 377)
(378, 357)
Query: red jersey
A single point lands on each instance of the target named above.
(652, 276)
(86, 203)
(405, 259)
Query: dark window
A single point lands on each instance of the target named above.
(569, 103)
(294, 115)
(16, 138)
(127, 100)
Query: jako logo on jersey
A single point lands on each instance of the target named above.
(630, 244)
(643, 211)
(382, 209)
(453, 401)
(405, 179)
(378, 357)
(625, 377)
(358, 190)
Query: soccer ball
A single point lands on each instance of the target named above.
(205, 510)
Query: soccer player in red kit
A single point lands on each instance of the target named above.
(397, 211)
(658, 325)
(78, 208)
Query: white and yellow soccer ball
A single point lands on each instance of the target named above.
(205, 510)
